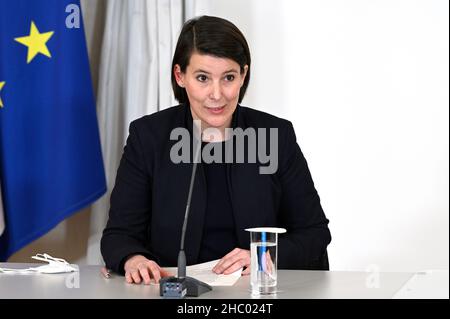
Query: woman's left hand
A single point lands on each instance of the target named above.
(234, 260)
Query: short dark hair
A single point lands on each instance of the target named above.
(213, 36)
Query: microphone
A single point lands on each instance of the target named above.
(181, 286)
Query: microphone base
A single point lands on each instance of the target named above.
(178, 288)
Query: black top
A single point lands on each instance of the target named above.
(219, 236)
(148, 202)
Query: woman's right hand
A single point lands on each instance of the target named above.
(138, 268)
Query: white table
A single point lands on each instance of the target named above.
(293, 284)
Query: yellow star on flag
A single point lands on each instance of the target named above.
(1, 87)
(36, 42)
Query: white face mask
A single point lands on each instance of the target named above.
(55, 265)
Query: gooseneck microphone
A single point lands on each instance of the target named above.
(181, 286)
(181, 255)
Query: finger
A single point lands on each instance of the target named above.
(246, 271)
(234, 267)
(135, 276)
(143, 271)
(155, 272)
(269, 267)
(165, 273)
(128, 278)
(269, 263)
(224, 258)
(227, 262)
(244, 261)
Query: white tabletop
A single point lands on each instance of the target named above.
(292, 284)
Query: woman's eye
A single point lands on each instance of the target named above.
(229, 77)
(202, 78)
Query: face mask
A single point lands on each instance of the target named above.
(55, 266)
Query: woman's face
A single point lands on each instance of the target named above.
(212, 85)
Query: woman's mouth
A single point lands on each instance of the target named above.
(215, 110)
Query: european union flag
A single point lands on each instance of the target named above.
(50, 155)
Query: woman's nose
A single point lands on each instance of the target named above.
(216, 92)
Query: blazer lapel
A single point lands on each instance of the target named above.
(238, 188)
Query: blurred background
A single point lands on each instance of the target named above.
(365, 84)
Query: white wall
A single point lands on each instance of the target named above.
(366, 85)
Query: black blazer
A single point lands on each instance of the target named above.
(149, 197)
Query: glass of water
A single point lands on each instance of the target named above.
(263, 252)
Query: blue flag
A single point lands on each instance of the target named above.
(50, 155)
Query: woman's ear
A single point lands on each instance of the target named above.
(244, 74)
(179, 76)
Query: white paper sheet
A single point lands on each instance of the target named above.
(203, 272)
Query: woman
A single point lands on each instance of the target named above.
(210, 74)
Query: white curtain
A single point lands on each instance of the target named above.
(138, 45)
(2, 219)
